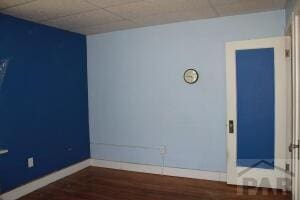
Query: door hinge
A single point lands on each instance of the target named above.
(287, 53)
(287, 167)
(295, 146)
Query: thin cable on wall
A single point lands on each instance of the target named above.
(161, 151)
(3, 69)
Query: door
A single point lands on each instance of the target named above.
(294, 148)
(257, 112)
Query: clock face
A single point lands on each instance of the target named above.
(191, 76)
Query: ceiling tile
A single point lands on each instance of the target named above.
(9, 3)
(175, 17)
(90, 18)
(107, 3)
(120, 25)
(155, 7)
(49, 9)
(233, 7)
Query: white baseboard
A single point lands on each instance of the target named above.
(151, 169)
(39, 183)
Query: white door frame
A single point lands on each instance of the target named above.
(296, 106)
(280, 44)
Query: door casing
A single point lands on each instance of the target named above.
(296, 105)
(281, 62)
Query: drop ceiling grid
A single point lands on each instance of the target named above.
(98, 16)
(41, 10)
(12, 3)
(85, 19)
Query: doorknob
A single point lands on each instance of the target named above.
(3, 151)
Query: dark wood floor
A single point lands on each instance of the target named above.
(107, 184)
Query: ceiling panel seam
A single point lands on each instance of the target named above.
(73, 14)
(214, 8)
(19, 4)
(116, 15)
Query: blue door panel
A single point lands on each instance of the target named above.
(255, 108)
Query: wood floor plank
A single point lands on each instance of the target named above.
(95, 183)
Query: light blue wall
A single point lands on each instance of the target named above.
(137, 95)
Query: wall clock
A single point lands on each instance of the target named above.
(191, 76)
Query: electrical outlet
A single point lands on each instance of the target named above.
(30, 162)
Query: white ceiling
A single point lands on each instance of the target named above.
(99, 16)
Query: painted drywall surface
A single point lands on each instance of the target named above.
(137, 95)
(43, 100)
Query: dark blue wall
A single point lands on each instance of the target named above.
(43, 100)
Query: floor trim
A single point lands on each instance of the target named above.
(39, 183)
(151, 169)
